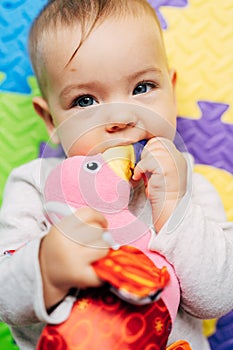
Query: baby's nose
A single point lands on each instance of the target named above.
(119, 116)
(118, 126)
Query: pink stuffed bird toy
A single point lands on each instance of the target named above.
(136, 307)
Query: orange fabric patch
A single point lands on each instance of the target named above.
(128, 269)
(179, 345)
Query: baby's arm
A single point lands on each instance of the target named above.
(22, 225)
(192, 230)
(199, 243)
(22, 228)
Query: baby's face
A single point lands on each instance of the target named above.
(116, 88)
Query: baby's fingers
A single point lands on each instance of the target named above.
(147, 166)
(138, 173)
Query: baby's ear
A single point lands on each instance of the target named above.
(42, 109)
(173, 76)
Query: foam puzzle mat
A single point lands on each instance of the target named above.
(199, 40)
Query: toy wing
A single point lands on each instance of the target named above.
(132, 275)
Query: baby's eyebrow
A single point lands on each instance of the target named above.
(72, 87)
(148, 70)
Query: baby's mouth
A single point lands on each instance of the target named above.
(123, 142)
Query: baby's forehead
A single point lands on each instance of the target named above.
(64, 43)
(90, 23)
(84, 30)
(62, 33)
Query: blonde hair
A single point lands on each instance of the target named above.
(86, 13)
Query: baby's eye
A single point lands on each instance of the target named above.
(142, 88)
(84, 101)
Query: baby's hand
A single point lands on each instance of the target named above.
(164, 170)
(67, 252)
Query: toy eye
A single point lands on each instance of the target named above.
(92, 167)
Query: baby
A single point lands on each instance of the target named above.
(104, 78)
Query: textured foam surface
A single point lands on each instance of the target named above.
(198, 36)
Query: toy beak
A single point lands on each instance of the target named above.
(121, 160)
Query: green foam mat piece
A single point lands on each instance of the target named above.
(21, 131)
(6, 340)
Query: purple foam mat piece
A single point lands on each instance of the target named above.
(222, 339)
(157, 4)
(209, 139)
(47, 151)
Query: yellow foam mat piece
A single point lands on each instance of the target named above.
(199, 43)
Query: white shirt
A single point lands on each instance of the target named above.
(197, 241)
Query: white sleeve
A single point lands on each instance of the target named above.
(198, 242)
(22, 225)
